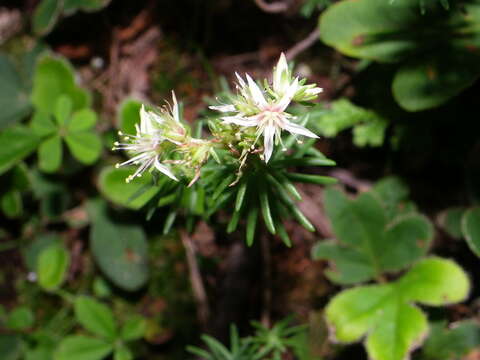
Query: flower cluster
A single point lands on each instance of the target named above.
(162, 141)
(265, 108)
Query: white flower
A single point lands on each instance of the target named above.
(282, 80)
(145, 146)
(270, 117)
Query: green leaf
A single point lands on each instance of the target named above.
(451, 221)
(70, 6)
(52, 266)
(45, 16)
(14, 93)
(134, 328)
(82, 120)
(424, 83)
(368, 127)
(10, 347)
(95, 317)
(368, 243)
(122, 353)
(78, 347)
(50, 154)
(17, 143)
(385, 315)
(36, 247)
(42, 124)
(11, 203)
(21, 318)
(63, 108)
(471, 229)
(86, 147)
(394, 196)
(129, 115)
(437, 49)
(55, 77)
(133, 195)
(120, 250)
(451, 343)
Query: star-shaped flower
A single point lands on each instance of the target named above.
(255, 108)
(146, 147)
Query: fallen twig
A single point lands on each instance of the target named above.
(198, 289)
(302, 45)
(276, 7)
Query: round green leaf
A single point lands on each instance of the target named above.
(11, 203)
(120, 250)
(36, 247)
(133, 195)
(50, 154)
(95, 317)
(86, 147)
(63, 108)
(78, 347)
(82, 120)
(471, 229)
(451, 221)
(42, 124)
(54, 77)
(52, 266)
(17, 143)
(435, 281)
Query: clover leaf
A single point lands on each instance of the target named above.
(386, 315)
(74, 128)
(369, 241)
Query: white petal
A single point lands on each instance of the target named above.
(237, 120)
(268, 135)
(282, 66)
(223, 108)
(164, 170)
(175, 110)
(240, 80)
(298, 129)
(313, 91)
(283, 103)
(144, 120)
(256, 93)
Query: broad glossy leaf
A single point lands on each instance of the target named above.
(17, 143)
(78, 347)
(423, 83)
(385, 315)
(85, 146)
(471, 229)
(95, 317)
(45, 16)
(52, 266)
(451, 221)
(14, 93)
(55, 77)
(50, 154)
(120, 250)
(133, 195)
